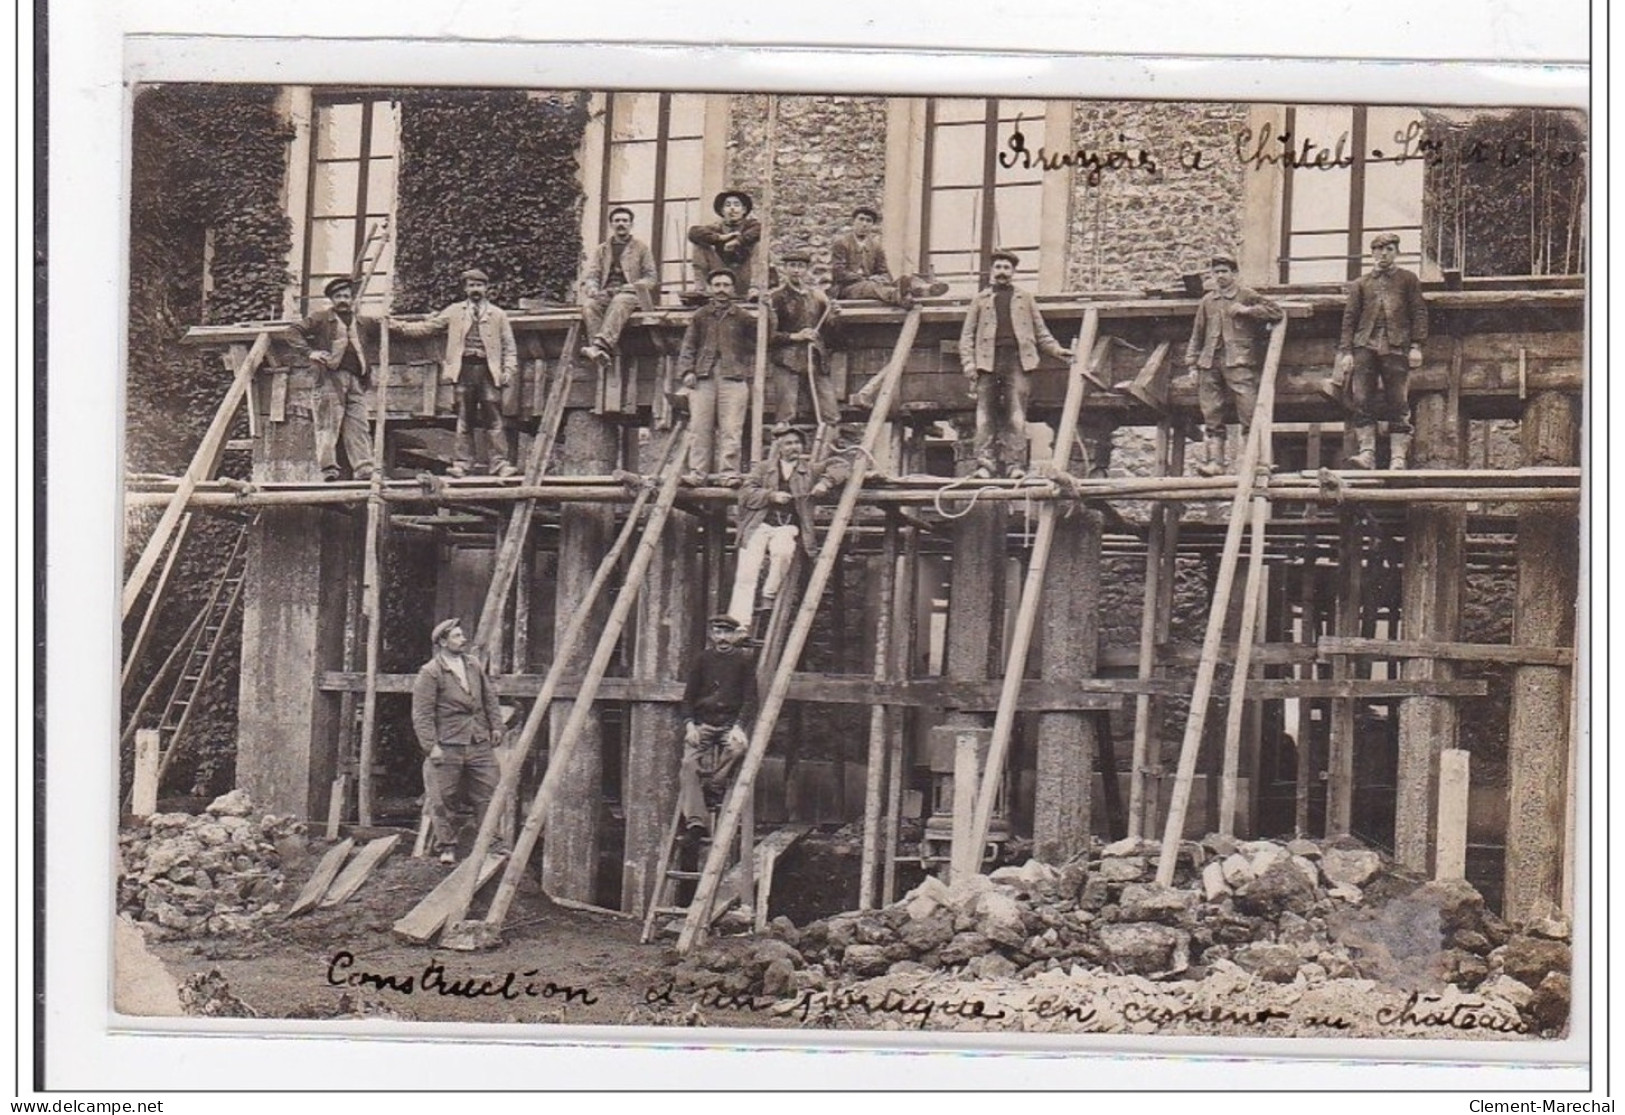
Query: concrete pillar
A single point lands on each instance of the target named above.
(1538, 745)
(1066, 741)
(975, 605)
(1430, 608)
(293, 631)
(570, 850)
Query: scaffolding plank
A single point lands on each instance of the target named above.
(323, 877)
(356, 871)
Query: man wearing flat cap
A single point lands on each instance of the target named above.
(800, 323)
(457, 721)
(715, 364)
(619, 279)
(775, 512)
(719, 702)
(332, 339)
(481, 359)
(858, 267)
(1385, 324)
(999, 347)
(728, 244)
(1225, 349)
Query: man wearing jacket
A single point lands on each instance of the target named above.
(620, 279)
(801, 321)
(332, 338)
(858, 267)
(729, 244)
(1225, 350)
(775, 510)
(999, 347)
(457, 721)
(715, 365)
(1385, 324)
(719, 702)
(481, 359)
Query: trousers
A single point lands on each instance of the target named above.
(790, 397)
(1001, 416)
(1218, 389)
(340, 412)
(459, 786)
(479, 411)
(606, 315)
(711, 760)
(1379, 388)
(717, 410)
(774, 544)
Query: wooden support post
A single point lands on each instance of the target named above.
(144, 793)
(204, 463)
(759, 277)
(371, 585)
(1190, 746)
(699, 913)
(568, 738)
(1430, 609)
(1304, 772)
(905, 628)
(1450, 856)
(1068, 742)
(1340, 748)
(965, 854)
(1156, 625)
(1538, 746)
(874, 770)
(138, 645)
(1015, 664)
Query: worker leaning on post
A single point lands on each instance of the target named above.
(458, 721)
(331, 338)
(1225, 347)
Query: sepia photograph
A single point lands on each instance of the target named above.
(637, 558)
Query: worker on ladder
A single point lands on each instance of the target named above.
(718, 702)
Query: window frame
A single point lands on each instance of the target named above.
(363, 160)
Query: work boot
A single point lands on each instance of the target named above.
(458, 470)
(1213, 463)
(504, 470)
(923, 286)
(1366, 457)
(1399, 451)
(364, 472)
(330, 475)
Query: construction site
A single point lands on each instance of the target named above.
(1109, 746)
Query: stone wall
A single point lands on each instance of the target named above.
(1136, 229)
(831, 157)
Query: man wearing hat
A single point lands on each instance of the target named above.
(620, 278)
(775, 509)
(1224, 349)
(1385, 324)
(331, 337)
(999, 347)
(858, 267)
(729, 244)
(457, 721)
(481, 358)
(718, 703)
(715, 365)
(800, 322)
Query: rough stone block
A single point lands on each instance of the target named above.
(1351, 867)
(1213, 885)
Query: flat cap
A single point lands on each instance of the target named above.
(1006, 253)
(1385, 240)
(343, 282)
(443, 628)
(723, 619)
(797, 255)
(784, 429)
(476, 275)
(1220, 259)
(867, 211)
(715, 271)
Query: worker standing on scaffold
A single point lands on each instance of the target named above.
(1224, 351)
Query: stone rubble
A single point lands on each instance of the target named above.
(217, 873)
(1333, 918)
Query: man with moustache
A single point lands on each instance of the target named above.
(715, 365)
(332, 339)
(620, 279)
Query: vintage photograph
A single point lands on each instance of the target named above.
(639, 558)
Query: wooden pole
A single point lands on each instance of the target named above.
(1156, 544)
(1263, 431)
(762, 269)
(627, 596)
(138, 645)
(1015, 665)
(203, 461)
(1340, 745)
(908, 575)
(371, 587)
(1450, 854)
(144, 791)
(1190, 747)
(874, 772)
(699, 913)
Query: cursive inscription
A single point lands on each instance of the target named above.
(433, 980)
(1466, 1014)
(1093, 163)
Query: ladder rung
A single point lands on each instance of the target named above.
(674, 873)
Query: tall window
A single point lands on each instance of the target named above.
(974, 205)
(352, 187)
(1330, 214)
(652, 165)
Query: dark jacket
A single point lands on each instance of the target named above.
(443, 712)
(721, 688)
(323, 334)
(736, 255)
(791, 313)
(1398, 296)
(756, 494)
(1220, 317)
(720, 342)
(853, 261)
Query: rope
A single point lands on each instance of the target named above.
(958, 482)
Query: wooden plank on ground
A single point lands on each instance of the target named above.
(356, 871)
(326, 871)
(429, 916)
(768, 849)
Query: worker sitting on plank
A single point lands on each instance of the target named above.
(718, 702)
(458, 721)
(620, 279)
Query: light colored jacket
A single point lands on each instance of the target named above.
(444, 711)
(501, 351)
(981, 328)
(638, 264)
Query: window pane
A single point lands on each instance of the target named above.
(957, 156)
(338, 131)
(673, 272)
(956, 219)
(1016, 211)
(334, 189)
(383, 129)
(332, 246)
(683, 167)
(1393, 193)
(687, 114)
(950, 109)
(636, 116)
(381, 186)
(1319, 258)
(631, 171)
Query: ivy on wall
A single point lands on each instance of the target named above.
(488, 179)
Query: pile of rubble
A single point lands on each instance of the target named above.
(1298, 913)
(214, 873)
